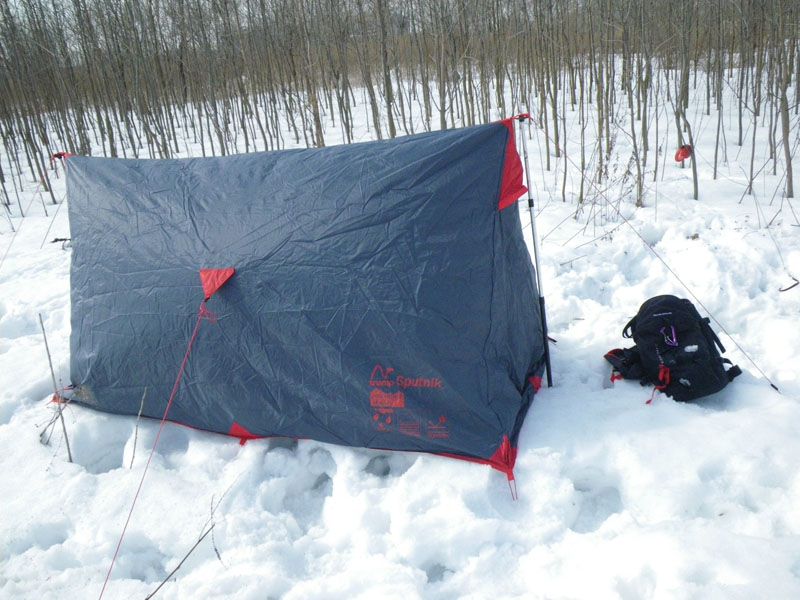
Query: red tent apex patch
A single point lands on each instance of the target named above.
(214, 279)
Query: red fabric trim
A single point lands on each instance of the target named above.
(58, 395)
(497, 461)
(511, 188)
(242, 433)
(502, 460)
(244, 436)
(214, 279)
(236, 430)
(536, 382)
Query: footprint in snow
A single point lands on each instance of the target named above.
(283, 443)
(98, 442)
(436, 572)
(43, 535)
(16, 326)
(597, 503)
(385, 465)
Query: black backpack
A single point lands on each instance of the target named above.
(676, 351)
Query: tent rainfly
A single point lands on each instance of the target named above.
(383, 294)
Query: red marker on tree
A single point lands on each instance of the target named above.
(683, 153)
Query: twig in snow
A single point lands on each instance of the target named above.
(8, 216)
(52, 220)
(216, 550)
(210, 530)
(211, 518)
(45, 435)
(789, 287)
(180, 564)
(213, 541)
(136, 430)
(14, 237)
(55, 388)
(41, 195)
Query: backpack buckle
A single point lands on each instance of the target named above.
(670, 341)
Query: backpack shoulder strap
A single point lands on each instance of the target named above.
(733, 372)
(707, 326)
(627, 332)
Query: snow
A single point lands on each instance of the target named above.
(617, 499)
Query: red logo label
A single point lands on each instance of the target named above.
(387, 398)
(387, 377)
(411, 428)
(439, 430)
(381, 377)
(383, 420)
(420, 382)
(380, 399)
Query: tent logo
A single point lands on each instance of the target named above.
(383, 378)
(380, 399)
(380, 377)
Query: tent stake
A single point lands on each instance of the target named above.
(136, 430)
(55, 388)
(535, 236)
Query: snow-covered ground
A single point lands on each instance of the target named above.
(617, 499)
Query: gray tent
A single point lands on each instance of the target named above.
(383, 294)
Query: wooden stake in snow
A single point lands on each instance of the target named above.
(55, 388)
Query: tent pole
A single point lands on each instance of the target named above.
(522, 118)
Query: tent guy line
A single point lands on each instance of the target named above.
(212, 280)
(677, 277)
